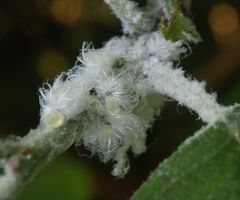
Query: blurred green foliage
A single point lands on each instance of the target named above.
(64, 179)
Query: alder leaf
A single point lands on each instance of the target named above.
(206, 166)
(179, 27)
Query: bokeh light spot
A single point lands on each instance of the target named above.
(223, 19)
(50, 63)
(66, 11)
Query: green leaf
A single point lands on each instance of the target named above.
(178, 27)
(64, 179)
(206, 166)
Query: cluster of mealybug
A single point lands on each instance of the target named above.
(108, 90)
(103, 91)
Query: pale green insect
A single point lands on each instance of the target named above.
(54, 119)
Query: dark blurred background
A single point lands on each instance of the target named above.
(40, 38)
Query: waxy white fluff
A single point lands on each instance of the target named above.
(105, 88)
(69, 93)
(134, 19)
(171, 82)
(105, 138)
(8, 180)
(155, 44)
(118, 93)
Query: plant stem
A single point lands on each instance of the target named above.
(21, 159)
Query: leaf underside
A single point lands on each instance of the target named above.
(205, 167)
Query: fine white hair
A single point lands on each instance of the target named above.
(107, 92)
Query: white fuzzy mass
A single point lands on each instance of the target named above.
(107, 86)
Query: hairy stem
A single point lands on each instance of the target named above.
(191, 93)
(22, 158)
(133, 19)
